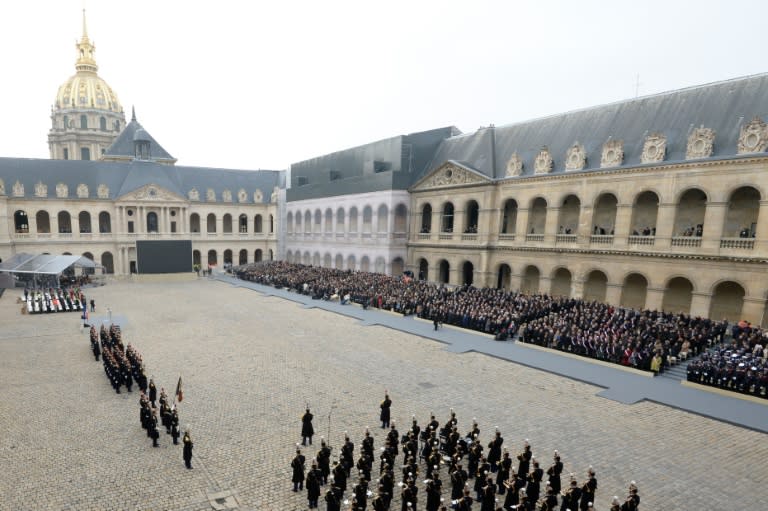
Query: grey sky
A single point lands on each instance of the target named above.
(252, 84)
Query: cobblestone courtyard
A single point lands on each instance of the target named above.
(250, 364)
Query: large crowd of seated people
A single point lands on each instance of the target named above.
(641, 339)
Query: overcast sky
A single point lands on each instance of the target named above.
(252, 84)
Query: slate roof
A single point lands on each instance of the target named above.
(391, 163)
(125, 177)
(722, 106)
(124, 143)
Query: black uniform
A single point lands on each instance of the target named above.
(306, 428)
(297, 464)
(187, 441)
(385, 412)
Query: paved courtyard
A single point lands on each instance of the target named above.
(250, 364)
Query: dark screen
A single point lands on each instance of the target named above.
(156, 256)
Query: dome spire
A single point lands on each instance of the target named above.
(85, 50)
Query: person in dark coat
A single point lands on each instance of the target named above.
(333, 498)
(494, 451)
(571, 497)
(554, 472)
(313, 486)
(525, 460)
(488, 495)
(187, 441)
(306, 428)
(154, 434)
(297, 464)
(385, 412)
(588, 490)
(324, 461)
(175, 426)
(503, 474)
(152, 392)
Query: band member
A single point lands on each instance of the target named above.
(550, 500)
(458, 480)
(633, 499)
(333, 498)
(494, 451)
(347, 454)
(481, 476)
(525, 459)
(504, 466)
(175, 426)
(615, 504)
(360, 491)
(488, 495)
(152, 391)
(513, 485)
(554, 472)
(306, 428)
(534, 482)
(385, 412)
(588, 489)
(339, 476)
(297, 464)
(572, 496)
(367, 444)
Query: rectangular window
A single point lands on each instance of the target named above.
(130, 226)
(66, 153)
(173, 226)
(85, 153)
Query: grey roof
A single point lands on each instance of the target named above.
(44, 263)
(134, 131)
(125, 177)
(722, 106)
(392, 163)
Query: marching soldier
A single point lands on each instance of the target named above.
(513, 485)
(347, 454)
(465, 502)
(534, 482)
(481, 475)
(175, 426)
(380, 502)
(554, 472)
(633, 499)
(588, 489)
(458, 480)
(154, 434)
(152, 391)
(333, 498)
(339, 476)
(503, 474)
(572, 496)
(488, 496)
(364, 465)
(297, 464)
(306, 428)
(494, 451)
(368, 444)
(525, 459)
(550, 500)
(313, 485)
(187, 441)
(385, 412)
(324, 461)
(360, 491)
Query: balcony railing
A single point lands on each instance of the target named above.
(534, 237)
(641, 240)
(339, 235)
(366, 235)
(43, 235)
(399, 235)
(506, 237)
(65, 235)
(601, 239)
(686, 241)
(566, 238)
(738, 243)
(469, 237)
(445, 236)
(423, 236)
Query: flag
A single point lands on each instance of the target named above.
(179, 393)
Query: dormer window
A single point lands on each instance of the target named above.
(141, 148)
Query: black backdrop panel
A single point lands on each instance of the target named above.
(157, 256)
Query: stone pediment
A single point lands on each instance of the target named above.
(450, 174)
(151, 193)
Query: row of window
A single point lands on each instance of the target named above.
(350, 262)
(740, 218)
(43, 221)
(324, 222)
(67, 123)
(727, 297)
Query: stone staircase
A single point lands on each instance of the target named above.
(678, 371)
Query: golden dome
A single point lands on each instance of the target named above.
(85, 89)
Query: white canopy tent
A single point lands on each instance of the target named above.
(44, 265)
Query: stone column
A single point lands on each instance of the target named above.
(623, 227)
(584, 229)
(753, 309)
(654, 297)
(613, 294)
(700, 303)
(714, 219)
(550, 226)
(521, 225)
(665, 225)
(577, 287)
(761, 234)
